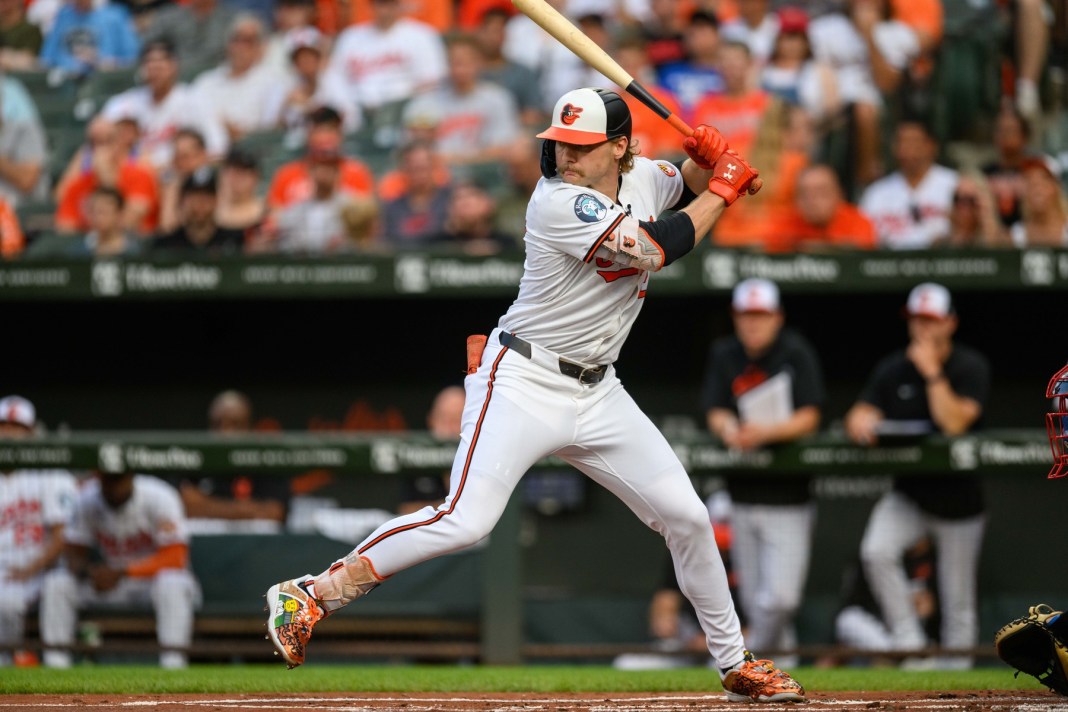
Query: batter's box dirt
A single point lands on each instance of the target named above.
(968, 701)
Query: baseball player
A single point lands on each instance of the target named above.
(137, 525)
(545, 382)
(34, 506)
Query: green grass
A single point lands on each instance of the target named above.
(127, 679)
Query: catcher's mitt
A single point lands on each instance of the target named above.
(1036, 645)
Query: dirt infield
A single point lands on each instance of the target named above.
(970, 701)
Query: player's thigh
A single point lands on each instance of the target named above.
(958, 543)
(18, 596)
(895, 524)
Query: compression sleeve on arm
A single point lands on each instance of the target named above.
(675, 235)
(173, 556)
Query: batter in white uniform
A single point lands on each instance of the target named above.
(545, 383)
(137, 524)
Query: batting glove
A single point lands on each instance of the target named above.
(705, 146)
(733, 177)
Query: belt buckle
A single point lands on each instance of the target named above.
(592, 378)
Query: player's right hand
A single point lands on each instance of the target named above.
(705, 146)
(733, 177)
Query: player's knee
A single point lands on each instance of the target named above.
(691, 524)
(58, 584)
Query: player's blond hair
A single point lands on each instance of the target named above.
(626, 164)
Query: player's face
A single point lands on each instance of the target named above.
(14, 431)
(116, 489)
(757, 330)
(926, 328)
(594, 166)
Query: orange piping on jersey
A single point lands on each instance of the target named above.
(662, 255)
(602, 238)
(641, 294)
(463, 478)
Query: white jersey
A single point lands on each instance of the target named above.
(908, 218)
(151, 519)
(159, 121)
(380, 67)
(31, 501)
(573, 298)
(238, 100)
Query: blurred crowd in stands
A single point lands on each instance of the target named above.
(323, 126)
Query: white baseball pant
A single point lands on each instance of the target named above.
(770, 551)
(520, 410)
(17, 596)
(896, 524)
(172, 593)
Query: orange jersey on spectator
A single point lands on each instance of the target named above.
(395, 184)
(135, 182)
(656, 138)
(292, 183)
(470, 12)
(924, 16)
(736, 117)
(435, 13)
(11, 238)
(848, 228)
(754, 224)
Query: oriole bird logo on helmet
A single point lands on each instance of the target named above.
(570, 113)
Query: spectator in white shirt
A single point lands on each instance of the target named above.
(307, 87)
(911, 207)
(389, 59)
(237, 90)
(162, 105)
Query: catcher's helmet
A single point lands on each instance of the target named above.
(1057, 422)
(584, 117)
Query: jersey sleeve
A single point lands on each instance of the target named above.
(571, 219)
(80, 528)
(666, 179)
(168, 515)
(58, 503)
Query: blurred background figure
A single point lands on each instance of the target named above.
(763, 385)
(738, 111)
(107, 162)
(973, 220)
(197, 229)
(126, 546)
(23, 151)
(410, 219)
(314, 225)
(360, 217)
(237, 90)
(107, 236)
(654, 137)
(163, 106)
(189, 155)
(198, 29)
(240, 502)
(85, 38)
(1012, 134)
(934, 385)
(520, 81)
(911, 206)
(470, 221)
(34, 508)
(20, 40)
(697, 74)
(443, 423)
(1044, 208)
(821, 219)
(240, 207)
(305, 85)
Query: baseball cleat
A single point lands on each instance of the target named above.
(759, 681)
(291, 615)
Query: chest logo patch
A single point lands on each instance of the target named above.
(669, 170)
(589, 209)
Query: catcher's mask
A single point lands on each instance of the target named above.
(1057, 422)
(584, 117)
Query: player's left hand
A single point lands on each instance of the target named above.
(733, 177)
(750, 436)
(104, 578)
(705, 146)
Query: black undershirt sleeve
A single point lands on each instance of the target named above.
(687, 195)
(674, 234)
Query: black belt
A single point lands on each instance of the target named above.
(585, 376)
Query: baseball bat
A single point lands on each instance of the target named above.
(547, 17)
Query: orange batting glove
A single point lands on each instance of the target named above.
(705, 146)
(733, 177)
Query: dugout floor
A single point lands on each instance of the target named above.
(970, 701)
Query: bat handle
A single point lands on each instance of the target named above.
(681, 126)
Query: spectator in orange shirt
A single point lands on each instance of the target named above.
(292, 182)
(108, 164)
(738, 111)
(821, 218)
(654, 137)
(11, 238)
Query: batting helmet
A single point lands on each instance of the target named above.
(584, 117)
(1057, 422)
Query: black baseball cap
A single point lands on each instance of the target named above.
(201, 180)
